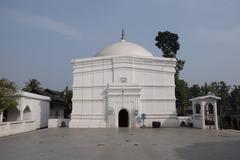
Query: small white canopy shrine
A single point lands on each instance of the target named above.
(205, 111)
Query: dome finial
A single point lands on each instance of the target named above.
(123, 38)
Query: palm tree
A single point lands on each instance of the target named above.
(31, 85)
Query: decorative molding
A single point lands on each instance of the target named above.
(152, 64)
(108, 58)
(170, 72)
(159, 99)
(119, 95)
(105, 86)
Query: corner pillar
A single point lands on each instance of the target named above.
(215, 115)
(193, 111)
(21, 115)
(203, 115)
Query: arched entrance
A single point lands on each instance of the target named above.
(123, 118)
(209, 114)
(12, 114)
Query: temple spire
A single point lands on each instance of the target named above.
(123, 38)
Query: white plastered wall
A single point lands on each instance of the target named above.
(92, 76)
(39, 107)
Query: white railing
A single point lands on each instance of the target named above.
(11, 128)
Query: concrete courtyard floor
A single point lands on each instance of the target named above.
(122, 143)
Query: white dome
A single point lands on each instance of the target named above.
(124, 48)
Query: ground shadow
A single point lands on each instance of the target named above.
(225, 150)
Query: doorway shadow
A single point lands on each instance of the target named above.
(123, 118)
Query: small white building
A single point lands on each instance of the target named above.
(32, 112)
(119, 85)
(205, 112)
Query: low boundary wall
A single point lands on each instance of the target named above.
(11, 128)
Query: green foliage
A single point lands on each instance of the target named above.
(194, 91)
(168, 43)
(204, 89)
(221, 89)
(182, 96)
(179, 67)
(235, 99)
(8, 94)
(67, 96)
(31, 85)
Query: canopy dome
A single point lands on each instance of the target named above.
(124, 48)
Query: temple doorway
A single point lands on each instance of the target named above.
(123, 118)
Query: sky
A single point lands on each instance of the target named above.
(38, 39)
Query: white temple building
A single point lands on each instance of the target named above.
(121, 84)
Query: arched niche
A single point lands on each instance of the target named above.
(27, 114)
(210, 108)
(209, 114)
(13, 114)
(197, 108)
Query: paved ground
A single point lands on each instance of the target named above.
(125, 144)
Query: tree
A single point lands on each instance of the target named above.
(179, 67)
(31, 85)
(8, 94)
(168, 43)
(235, 99)
(67, 96)
(221, 89)
(194, 91)
(182, 95)
(204, 89)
